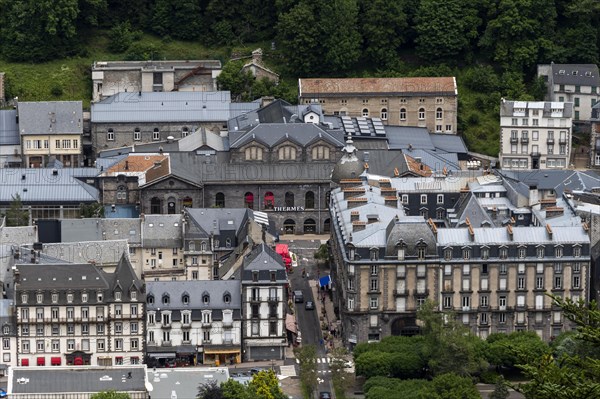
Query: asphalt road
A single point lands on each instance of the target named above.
(308, 321)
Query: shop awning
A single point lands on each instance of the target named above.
(325, 281)
(55, 361)
(24, 362)
(164, 355)
(290, 323)
(41, 361)
(78, 361)
(220, 350)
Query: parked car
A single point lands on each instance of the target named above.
(255, 371)
(3, 393)
(298, 296)
(310, 305)
(324, 395)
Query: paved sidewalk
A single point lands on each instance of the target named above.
(329, 316)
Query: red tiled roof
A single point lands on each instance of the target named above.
(376, 85)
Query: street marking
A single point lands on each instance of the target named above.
(288, 371)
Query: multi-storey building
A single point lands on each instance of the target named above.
(264, 297)
(494, 279)
(51, 130)
(424, 102)
(76, 314)
(575, 83)
(535, 135)
(10, 140)
(9, 334)
(112, 77)
(194, 322)
(162, 248)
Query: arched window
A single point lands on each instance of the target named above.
(172, 206)
(166, 299)
(155, 205)
(269, 200)
(137, 134)
(249, 200)
(421, 114)
(110, 135)
(185, 299)
(220, 200)
(205, 298)
(320, 152)
(309, 200)
(439, 113)
(402, 114)
(254, 153)
(192, 246)
(310, 226)
(365, 112)
(188, 202)
(289, 199)
(327, 225)
(185, 132)
(287, 153)
(156, 134)
(150, 299)
(227, 297)
(228, 243)
(384, 114)
(289, 226)
(203, 246)
(122, 195)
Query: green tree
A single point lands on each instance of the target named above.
(265, 385)
(339, 357)
(445, 29)
(389, 388)
(500, 389)
(210, 390)
(322, 254)
(340, 40)
(383, 26)
(307, 356)
(120, 37)
(110, 395)
(234, 390)
(450, 386)
(520, 347)
(16, 215)
(298, 31)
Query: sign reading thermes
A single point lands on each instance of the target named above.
(288, 208)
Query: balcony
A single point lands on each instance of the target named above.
(562, 141)
(255, 299)
(421, 292)
(165, 325)
(206, 324)
(524, 140)
(166, 343)
(228, 324)
(227, 342)
(549, 141)
(401, 292)
(514, 140)
(255, 316)
(273, 299)
(535, 154)
(151, 343)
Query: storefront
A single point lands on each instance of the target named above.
(221, 355)
(176, 356)
(78, 358)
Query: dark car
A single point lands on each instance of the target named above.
(310, 305)
(324, 395)
(255, 371)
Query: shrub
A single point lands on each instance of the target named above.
(56, 91)
(120, 37)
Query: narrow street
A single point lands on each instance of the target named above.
(308, 320)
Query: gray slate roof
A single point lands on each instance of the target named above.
(42, 380)
(449, 143)
(40, 185)
(507, 108)
(50, 276)
(215, 220)
(162, 231)
(174, 106)
(525, 235)
(411, 230)
(77, 230)
(195, 289)
(50, 117)
(271, 134)
(9, 131)
(401, 137)
(576, 74)
(559, 180)
(279, 111)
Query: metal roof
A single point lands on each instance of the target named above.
(576, 74)
(9, 131)
(176, 106)
(271, 134)
(521, 235)
(405, 137)
(50, 117)
(448, 143)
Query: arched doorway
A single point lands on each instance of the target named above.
(406, 326)
(220, 200)
(155, 205)
(171, 206)
(249, 200)
(327, 226)
(269, 200)
(310, 226)
(289, 227)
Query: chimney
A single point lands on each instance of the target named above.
(549, 231)
(353, 192)
(354, 216)
(358, 226)
(372, 218)
(396, 172)
(545, 203)
(471, 233)
(553, 211)
(509, 229)
(391, 200)
(354, 202)
(385, 183)
(257, 56)
(126, 165)
(432, 226)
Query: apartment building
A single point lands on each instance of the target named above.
(194, 322)
(264, 300)
(423, 102)
(51, 130)
(76, 314)
(535, 135)
(576, 83)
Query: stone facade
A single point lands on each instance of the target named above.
(423, 102)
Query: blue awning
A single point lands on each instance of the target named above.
(325, 280)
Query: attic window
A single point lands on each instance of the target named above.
(206, 299)
(255, 276)
(227, 298)
(150, 299)
(133, 295)
(117, 295)
(588, 73)
(273, 276)
(166, 299)
(561, 72)
(185, 299)
(575, 73)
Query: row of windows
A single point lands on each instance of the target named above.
(535, 135)
(535, 122)
(186, 337)
(467, 253)
(58, 144)
(39, 297)
(365, 101)
(185, 299)
(535, 149)
(521, 284)
(502, 268)
(137, 134)
(286, 153)
(84, 329)
(41, 346)
(84, 313)
(423, 199)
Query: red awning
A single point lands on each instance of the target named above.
(24, 362)
(78, 361)
(55, 361)
(41, 361)
(269, 196)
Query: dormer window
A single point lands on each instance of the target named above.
(466, 253)
(39, 298)
(421, 251)
(448, 253)
(185, 299)
(576, 251)
(166, 299)
(255, 276)
(558, 252)
(227, 298)
(287, 153)
(374, 254)
(205, 299)
(84, 297)
(69, 298)
(6, 330)
(401, 251)
(254, 153)
(118, 295)
(192, 246)
(273, 276)
(24, 298)
(133, 295)
(100, 296)
(150, 299)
